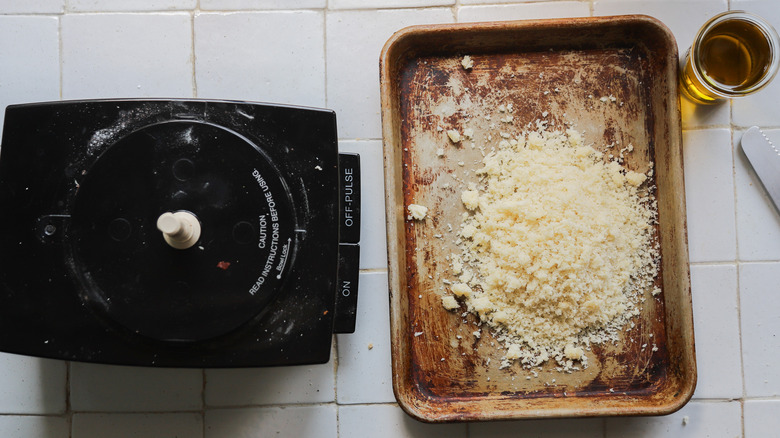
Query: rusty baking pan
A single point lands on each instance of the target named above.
(615, 80)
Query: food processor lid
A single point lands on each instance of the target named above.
(131, 275)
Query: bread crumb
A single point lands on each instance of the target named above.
(370, 346)
(461, 290)
(449, 302)
(440, 152)
(470, 199)
(467, 62)
(417, 212)
(573, 353)
(453, 135)
(685, 420)
(635, 178)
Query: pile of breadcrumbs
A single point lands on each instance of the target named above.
(557, 247)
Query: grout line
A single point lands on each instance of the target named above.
(203, 403)
(456, 11)
(360, 139)
(742, 415)
(749, 262)
(325, 18)
(706, 127)
(373, 270)
(335, 349)
(192, 53)
(258, 406)
(141, 12)
(734, 159)
(68, 408)
(60, 51)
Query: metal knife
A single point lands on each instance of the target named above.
(765, 159)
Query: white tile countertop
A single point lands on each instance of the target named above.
(325, 53)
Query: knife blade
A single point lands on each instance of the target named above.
(765, 159)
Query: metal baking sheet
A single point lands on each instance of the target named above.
(612, 78)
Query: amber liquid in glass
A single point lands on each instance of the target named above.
(732, 57)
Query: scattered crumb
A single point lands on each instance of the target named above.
(417, 212)
(370, 346)
(467, 62)
(449, 302)
(454, 136)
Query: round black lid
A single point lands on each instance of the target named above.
(130, 275)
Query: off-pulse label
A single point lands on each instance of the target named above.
(349, 187)
(268, 236)
(348, 191)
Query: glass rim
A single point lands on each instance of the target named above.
(770, 34)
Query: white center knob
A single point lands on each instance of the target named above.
(180, 229)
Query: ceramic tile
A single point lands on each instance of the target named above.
(126, 55)
(683, 17)
(364, 371)
(30, 60)
(262, 56)
(758, 222)
(31, 7)
(124, 5)
(577, 428)
(709, 193)
(694, 420)
(188, 425)
(760, 328)
(354, 43)
(473, 2)
(759, 108)
(31, 385)
(378, 4)
(274, 385)
(559, 9)
(716, 323)
(290, 422)
(210, 5)
(33, 426)
(761, 419)
(109, 388)
(697, 116)
(389, 421)
(373, 243)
